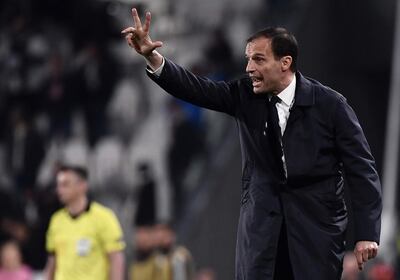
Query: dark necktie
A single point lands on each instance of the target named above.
(274, 132)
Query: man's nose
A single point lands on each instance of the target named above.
(249, 67)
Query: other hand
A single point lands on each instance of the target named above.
(364, 251)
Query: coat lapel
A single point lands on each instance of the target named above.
(304, 97)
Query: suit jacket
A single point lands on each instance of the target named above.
(323, 141)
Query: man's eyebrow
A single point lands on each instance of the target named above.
(259, 54)
(255, 55)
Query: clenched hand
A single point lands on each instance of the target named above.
(364, 251)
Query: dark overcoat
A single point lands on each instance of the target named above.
(323, 143)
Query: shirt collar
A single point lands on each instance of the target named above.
(87, 209)
(287, 95)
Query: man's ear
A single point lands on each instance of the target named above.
(286, 62)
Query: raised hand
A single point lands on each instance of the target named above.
(138, 36)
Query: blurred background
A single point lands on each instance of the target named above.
(72, 91)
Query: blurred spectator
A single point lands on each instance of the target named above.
(94, 79)
(26, 150)
(17, 223)
(73, 150)
(76, 239)
(205, 274)
(5, 179)
(144, 267)
(57, 94)
(12, 218)
(188, 143)
(181, 262)
(158, 257)
(219, 56)
(381, 271)
(146, 209)
(12, 267)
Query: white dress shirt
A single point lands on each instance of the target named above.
(156, 72)
(283, 107)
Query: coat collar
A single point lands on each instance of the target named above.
(304, 95)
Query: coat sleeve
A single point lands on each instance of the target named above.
(200, 91)
(361, 174)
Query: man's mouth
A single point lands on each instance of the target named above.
(256, 81)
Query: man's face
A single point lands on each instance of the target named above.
(10, 256)
(264, 69)
(69, 186)
(165, 236)
(144, 238)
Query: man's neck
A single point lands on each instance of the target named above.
(287, 79)
(78, 206)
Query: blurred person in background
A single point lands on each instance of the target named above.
(57, 96)
(293, 217)
(15, 225)
(11, 263)
(26, 150)
(188, 143)
(84, 239)
(205, 274)
(381, 271)
(145, 266)
(179, 258)
(158, 257)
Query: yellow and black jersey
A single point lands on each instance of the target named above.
(81, 244)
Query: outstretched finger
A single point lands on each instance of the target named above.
(365, 255)
(128, 30)
(359, 259)
(136, 19)
(157, 44)
(146, 26)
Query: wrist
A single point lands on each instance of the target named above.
(154, 59)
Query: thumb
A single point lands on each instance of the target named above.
(157, 44)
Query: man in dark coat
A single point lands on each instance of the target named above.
(298, 139)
